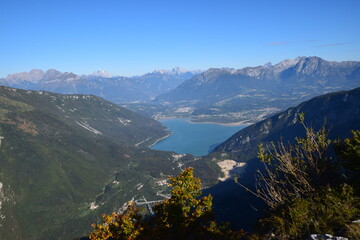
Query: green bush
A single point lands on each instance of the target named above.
(327, 211)
(307, 190)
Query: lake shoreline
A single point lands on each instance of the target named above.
(239, 123)
(160, 139)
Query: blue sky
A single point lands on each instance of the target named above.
(129, 37)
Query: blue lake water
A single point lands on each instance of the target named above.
(194, 138)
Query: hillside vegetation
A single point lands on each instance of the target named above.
(340, 110)
(64, 159)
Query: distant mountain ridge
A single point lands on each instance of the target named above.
(113, 88)
(252, 93)
(246, 95)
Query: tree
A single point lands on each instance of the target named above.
(297, 170)
(124, 226)
(185, 215)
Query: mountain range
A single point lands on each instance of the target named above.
(250, 94)
(116, 89)
(245, 95)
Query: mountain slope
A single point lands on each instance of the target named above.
(252, 93)
(93, 114)
(66, 159)
(342, 113)
(340, 110)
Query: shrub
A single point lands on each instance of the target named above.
(308, 191)
(125, 226)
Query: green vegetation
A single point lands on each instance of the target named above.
(309, 191)
(57, 177)
(93, 114)
(185, 215)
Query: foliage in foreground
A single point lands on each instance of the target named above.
(307, 190)
(127, 225)
(185, 215)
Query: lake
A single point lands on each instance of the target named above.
(194, 138)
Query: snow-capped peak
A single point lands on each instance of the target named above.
(101, 73)
(176, 71)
